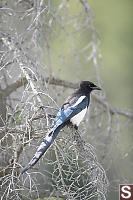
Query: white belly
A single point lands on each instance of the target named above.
(78, 118)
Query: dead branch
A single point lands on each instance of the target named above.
(14, 86)
(67, 84)
(97, 98)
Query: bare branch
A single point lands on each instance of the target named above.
(14, 86)
(97, 98)
(59, 82)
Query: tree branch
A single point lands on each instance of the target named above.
(97, 98)
(14, 86)
(58, 82)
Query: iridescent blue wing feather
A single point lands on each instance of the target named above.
(64, 115)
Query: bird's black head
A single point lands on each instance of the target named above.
(88, 86)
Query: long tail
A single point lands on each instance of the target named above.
(47, 141)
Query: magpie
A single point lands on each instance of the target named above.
(71, 112)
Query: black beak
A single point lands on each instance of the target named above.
(96, 88)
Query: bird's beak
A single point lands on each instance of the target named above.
(97, 88)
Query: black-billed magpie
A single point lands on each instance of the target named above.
(71, 112)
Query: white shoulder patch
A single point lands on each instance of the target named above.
(79, 101)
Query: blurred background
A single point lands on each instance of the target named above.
(114, 24)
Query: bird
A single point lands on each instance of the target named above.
(72, 112)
